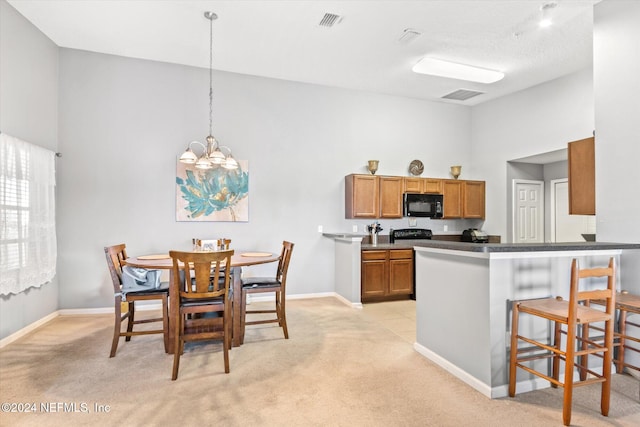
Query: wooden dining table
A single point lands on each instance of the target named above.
(238, 260)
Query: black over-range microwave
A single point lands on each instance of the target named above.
(423, 205)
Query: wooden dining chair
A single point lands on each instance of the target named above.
(276, 284)
(115, 256)
(204, 313)
(573, 314)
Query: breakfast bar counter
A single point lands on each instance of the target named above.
(464, 293)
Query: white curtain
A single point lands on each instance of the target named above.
(27, 215)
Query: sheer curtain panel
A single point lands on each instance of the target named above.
(27, 215)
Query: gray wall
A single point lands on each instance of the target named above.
(123, 122)
(29, 111)
(538, 120)
(132, 118)
(617, 107)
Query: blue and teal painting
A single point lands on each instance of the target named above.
(212, 195)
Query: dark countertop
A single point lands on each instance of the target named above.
(501, 247)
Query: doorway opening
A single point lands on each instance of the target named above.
(548, 167)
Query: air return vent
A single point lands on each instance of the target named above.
(409, 35)
(329, 20)
(462, 94)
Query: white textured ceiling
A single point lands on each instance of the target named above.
(282, 39)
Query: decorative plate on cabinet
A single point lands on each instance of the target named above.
(416, 167)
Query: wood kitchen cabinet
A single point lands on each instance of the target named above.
(473, 196)
(391, 196)
(422, 185)
(386, 274)
(452, 196)
(412, 185)
(582, 177)
(370, 196)
(463, 199)
(362, 196)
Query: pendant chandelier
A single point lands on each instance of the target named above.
(212, 155)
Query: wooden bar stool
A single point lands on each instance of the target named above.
(627, 303)
(573, 316)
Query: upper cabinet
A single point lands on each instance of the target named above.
(422, 185)
(582, 177)
(452, 197)
(473, 199)
(391, 196)
(463, 199)
(362, 196)
(370, 196)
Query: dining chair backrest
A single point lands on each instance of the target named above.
(283, 263)
(202, 274)
(115, 255)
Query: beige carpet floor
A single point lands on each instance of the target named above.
(340, 367)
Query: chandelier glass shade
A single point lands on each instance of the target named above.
(212, 154)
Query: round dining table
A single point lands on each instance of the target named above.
(238, 260)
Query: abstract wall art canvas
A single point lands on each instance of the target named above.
(215, 194)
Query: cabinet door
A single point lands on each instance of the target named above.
(473, 199)
(432, 185)
(452, 195)
(374, 274)
(391, 196)
(361, 196)
(582, 177)
(401, 272)
(413, 185)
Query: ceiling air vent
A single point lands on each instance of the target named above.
(462, 94)
(409, 35)
(329, 20)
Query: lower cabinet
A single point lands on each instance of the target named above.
(386, 274)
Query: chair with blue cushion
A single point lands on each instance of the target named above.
(277, 285)
(115, 261)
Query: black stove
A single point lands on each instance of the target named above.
(410, 234)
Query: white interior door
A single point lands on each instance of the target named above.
(565, 227)
(528, 211)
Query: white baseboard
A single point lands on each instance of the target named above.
(140, 307)
(347, 302)
(31, 327)
(455, 371)
(485, 389)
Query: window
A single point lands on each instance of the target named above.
(27, 215)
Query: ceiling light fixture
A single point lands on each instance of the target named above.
(212, 155)
(453, 70)
(545, 12)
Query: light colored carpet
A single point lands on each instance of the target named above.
(340, 367)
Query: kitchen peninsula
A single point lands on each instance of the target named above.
(464, 293)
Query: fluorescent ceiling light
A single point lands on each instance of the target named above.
(452, 70)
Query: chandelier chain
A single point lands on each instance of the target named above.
(211, 76)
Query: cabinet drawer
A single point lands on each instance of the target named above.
(401, 254)
(373, 255)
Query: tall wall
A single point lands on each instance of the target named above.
(29, 111)
(124, 122)
(537, 120)
(617, 105)
(617, 111)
